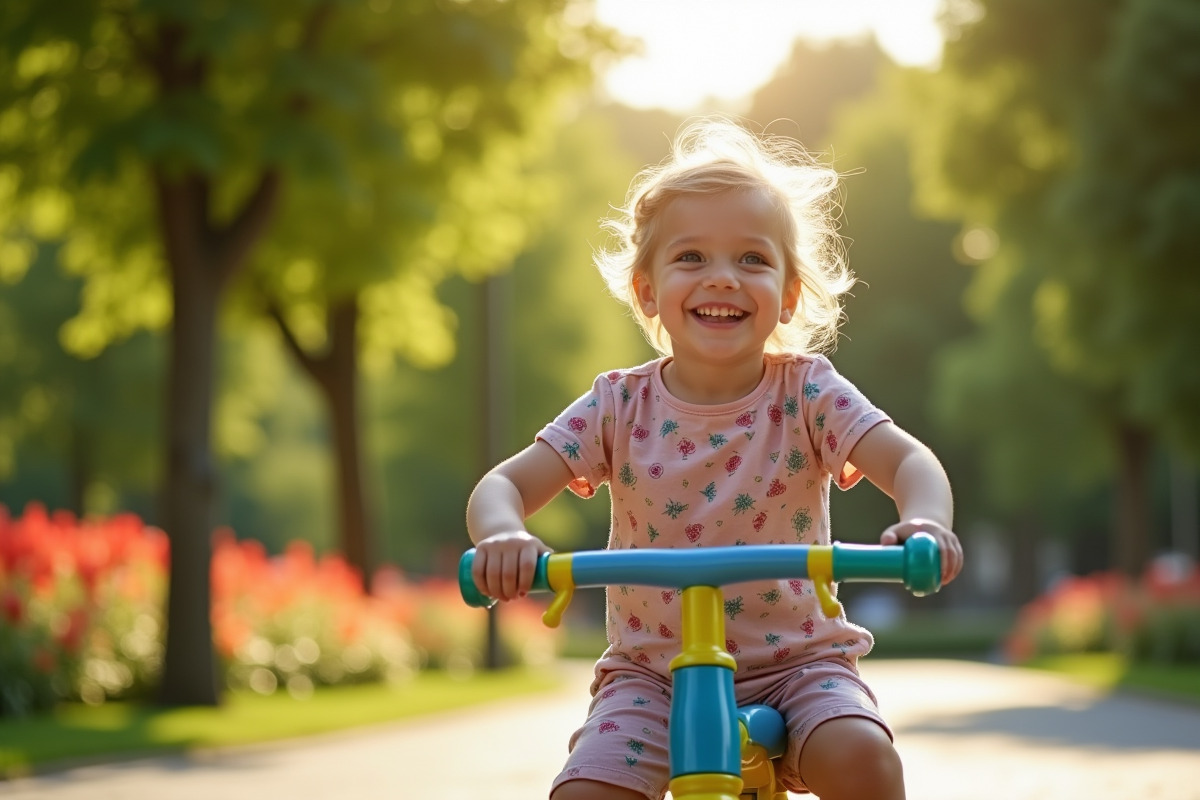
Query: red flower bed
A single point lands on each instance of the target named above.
(82, 610)
(1155, 618)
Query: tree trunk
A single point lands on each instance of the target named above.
(335, 373)
(201, 259)
(189, 665)
(1134, 512)
(341, 392)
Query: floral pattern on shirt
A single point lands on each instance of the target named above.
(755, 471)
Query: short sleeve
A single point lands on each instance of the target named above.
(582, 436)
(838, 414)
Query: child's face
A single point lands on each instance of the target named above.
(716, 276)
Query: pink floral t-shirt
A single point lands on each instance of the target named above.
(754, 471)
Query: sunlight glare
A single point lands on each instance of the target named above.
(721, 50)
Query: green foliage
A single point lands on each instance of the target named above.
(1058, 135)
(397, 124)
(63, 415)
(1124, 321)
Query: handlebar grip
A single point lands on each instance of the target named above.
(466, 583)
(922, 564)
(477, 599)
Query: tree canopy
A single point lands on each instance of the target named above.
(168, 144)
(1059, 134)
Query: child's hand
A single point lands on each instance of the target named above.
(947, 540)
(505, 564)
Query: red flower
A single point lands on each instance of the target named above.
(577, 424)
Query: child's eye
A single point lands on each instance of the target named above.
(691, 257)
(753, 258)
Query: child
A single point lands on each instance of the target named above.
(729, 259)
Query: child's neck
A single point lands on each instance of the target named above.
(711, 384)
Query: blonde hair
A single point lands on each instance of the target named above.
(715, 155)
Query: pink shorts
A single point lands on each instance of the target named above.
(624, 740)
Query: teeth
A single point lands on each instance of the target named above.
(719, 312)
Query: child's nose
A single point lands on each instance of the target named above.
(721, 275)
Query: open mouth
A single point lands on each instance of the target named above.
(722, 315)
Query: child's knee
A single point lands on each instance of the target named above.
(593, 790)
(851, 757)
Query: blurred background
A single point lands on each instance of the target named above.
(300, 272)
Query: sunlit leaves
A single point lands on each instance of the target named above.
(404, 317)
(15, 257)
(44, 60)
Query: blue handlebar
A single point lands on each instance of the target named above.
(916, 564)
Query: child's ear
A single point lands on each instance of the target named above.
(644, 293)
(791, 299)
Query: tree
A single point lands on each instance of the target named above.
(1019, 128)
(174, 135)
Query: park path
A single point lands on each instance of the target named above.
(966, 731)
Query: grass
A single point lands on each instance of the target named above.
(1111, 671)
(75, 732)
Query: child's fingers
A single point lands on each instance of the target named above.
(505, 570)
(949, 545)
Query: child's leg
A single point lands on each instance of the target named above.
(621, 750)
(593, 790)
(828, 700)
(851, 758)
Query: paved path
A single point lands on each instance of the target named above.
(966, 731)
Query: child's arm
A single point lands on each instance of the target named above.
(909, 473)
(506, 554)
